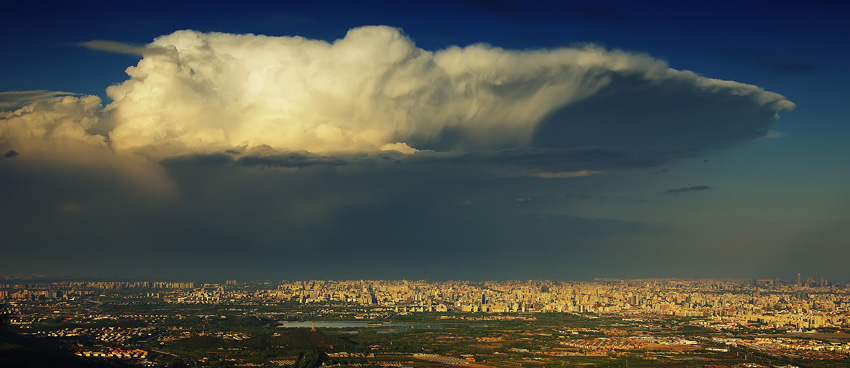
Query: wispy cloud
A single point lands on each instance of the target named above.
(775, 134)
(120, 47)
(16, 99)
(785, 67)
(523, 200)
(542, 174)
(689, 189)
(655, 173)
(774, 65)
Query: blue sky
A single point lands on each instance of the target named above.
(577, 155)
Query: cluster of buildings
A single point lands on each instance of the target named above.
(766, 304)
(68, 290)
(114, 354)
(789, 346)
(444, 359)
(105, 334)
(719, 304)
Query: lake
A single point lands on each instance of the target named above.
(355, 324)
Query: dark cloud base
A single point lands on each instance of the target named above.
(633, 114)
(555, 159)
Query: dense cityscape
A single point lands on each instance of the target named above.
(606, 322)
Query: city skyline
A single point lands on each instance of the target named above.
(400, 323)
(426, 140)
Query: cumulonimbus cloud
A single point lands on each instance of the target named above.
(375, 90)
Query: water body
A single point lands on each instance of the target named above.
(355, 324)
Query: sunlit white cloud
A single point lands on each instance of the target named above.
(52, 121)
(399, 147)
(373, 87)
(58, 140)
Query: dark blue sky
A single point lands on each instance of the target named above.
(762, 40)
(642, 175)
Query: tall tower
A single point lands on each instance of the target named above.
(798, 279)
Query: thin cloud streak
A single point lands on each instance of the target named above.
(14, 100)
(542, 174)
(120, 47)
(695, 188)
